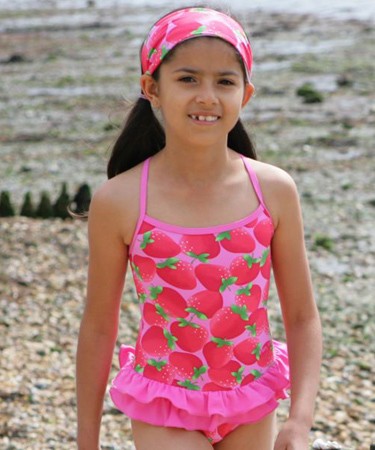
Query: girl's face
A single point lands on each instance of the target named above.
(200, 92)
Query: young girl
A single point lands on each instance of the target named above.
(201, 222)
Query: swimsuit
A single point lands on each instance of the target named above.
(204, 357)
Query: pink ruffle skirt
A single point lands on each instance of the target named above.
(162, 404)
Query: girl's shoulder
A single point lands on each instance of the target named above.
(117, 199)
(277, 186)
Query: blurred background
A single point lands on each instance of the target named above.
(68, 72)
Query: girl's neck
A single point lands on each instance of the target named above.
(196, 167)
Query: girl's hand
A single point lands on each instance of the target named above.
(292, 436)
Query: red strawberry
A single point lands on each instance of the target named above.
(157, 341)
(249, 296)
(252, 224)
(214, 277)
(266, 356)
(145, 227)
(244, 268)
(258, 322)
(265, 264)
(141, 291)
(248, 351)
(229, 322)
(200, 246)
(205, 302)
(187, 365)
(237, 240)
(170, 300)
(229, 375)
(253, 375)
(158, 244)
(218, 352)
(190, 336)
(214, 387)
(264, 231)
(154, 314)
(177, 273)
(145, 268)
(225, 428)
(159, 371)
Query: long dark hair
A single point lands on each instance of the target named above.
(144, 136)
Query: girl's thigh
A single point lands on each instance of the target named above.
(254, 436)
(147, 437)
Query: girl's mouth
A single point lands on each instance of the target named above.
(204, 118)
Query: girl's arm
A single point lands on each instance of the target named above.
(98, 332)
(300, 315)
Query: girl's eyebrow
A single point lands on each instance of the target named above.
(224, 73)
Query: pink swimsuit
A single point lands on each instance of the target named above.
(204, 358)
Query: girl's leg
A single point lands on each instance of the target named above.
(254, 436)
(148, 437)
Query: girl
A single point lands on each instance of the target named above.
(198, 217)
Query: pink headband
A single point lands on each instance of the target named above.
(181, 25)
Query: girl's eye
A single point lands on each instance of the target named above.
(227, 82)
(187, 79)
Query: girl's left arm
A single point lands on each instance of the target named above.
(300, 315)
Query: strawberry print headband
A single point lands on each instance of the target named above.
(183, 24)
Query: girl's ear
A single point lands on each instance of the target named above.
(150, 89)
(248, 93)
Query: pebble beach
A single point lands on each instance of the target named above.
(68, 75)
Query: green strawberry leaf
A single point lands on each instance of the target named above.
(164, 51)
(170, 338)
(151, 52)
(158, 364)
(155, 291)
(221, 342)
(197, 313)
(137, 271)
(256, 351)
(198, 372)
(256, 373)
(264, 257)
(142, 297)
(189, 385)
(146, 240)
(202, 257)
(161, 311)
(245, 290)
(138, 368)
(250, 260)
(226, 282)
(241, 311)
(252, 329)
(186, 323)
(170, 262)
(223, 235)
(238, 375)
(199, 30)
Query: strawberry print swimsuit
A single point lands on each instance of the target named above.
(204, 358)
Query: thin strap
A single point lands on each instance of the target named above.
(143, 189)
(254, 180)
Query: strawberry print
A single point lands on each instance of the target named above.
(218, 352)
(265, 264)
(176, 272)
(248, 351)
(252, 223)
(238, 240)
(229, 375)
(200, 247)
(189, 336)
(158, 244)
(245, 269)
(187, 365)
(214, 277)
(214, 387)
(249, 296)
(145, 268)
(141, 291)
(159, 371)
(266, 356)
(205, 302)
(155, 315)
(264, 231)
(145, 227)
(258, 322)
(158, 341)
(169, 300)
(229, 322)
(250, 377)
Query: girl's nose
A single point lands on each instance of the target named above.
(207, 96)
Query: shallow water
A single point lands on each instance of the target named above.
(359, 9)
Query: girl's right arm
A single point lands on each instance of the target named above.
(98, 331)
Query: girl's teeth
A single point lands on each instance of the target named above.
(205, 118)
